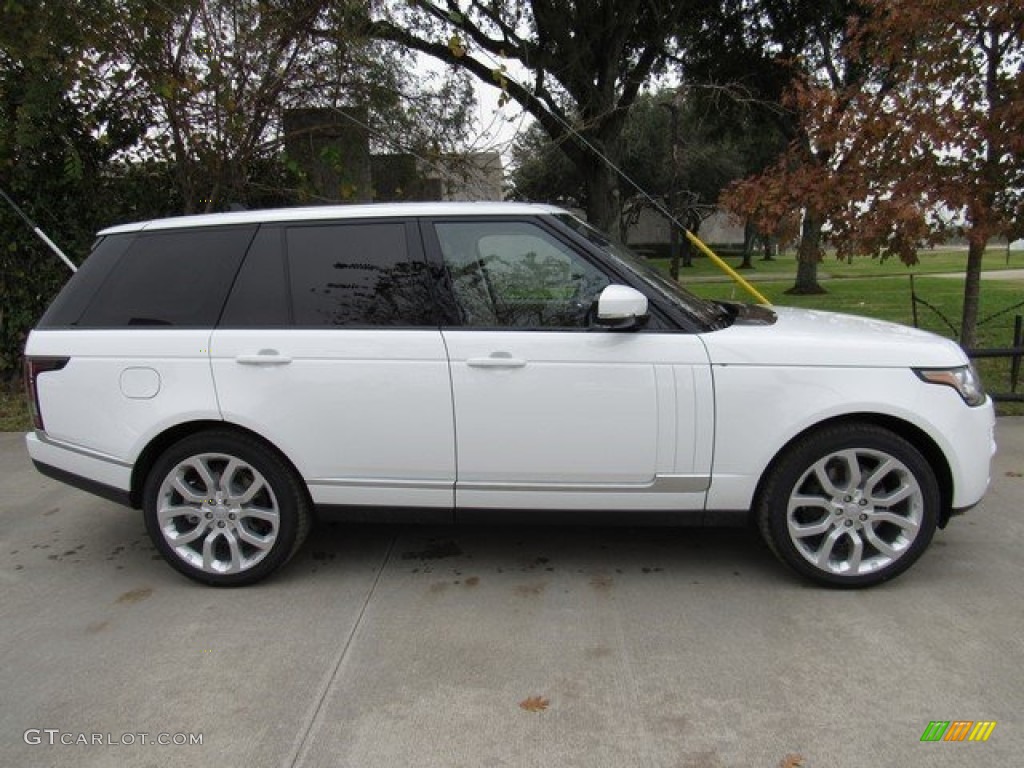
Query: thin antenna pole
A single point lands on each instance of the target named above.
(38, 232)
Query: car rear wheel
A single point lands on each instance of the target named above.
(224, 509)
(850, 505)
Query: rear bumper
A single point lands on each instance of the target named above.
(81, 468)
(115, 495)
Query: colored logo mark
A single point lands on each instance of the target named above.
(958, 730)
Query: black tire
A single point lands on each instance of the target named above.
(224, 509)
(850, 505)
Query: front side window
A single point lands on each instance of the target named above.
(516, 275)
(357, 275)
(709, 314)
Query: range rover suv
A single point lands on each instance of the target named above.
(235, 375)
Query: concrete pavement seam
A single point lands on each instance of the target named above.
(313, 718)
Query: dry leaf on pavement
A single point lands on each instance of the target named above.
(534, 704)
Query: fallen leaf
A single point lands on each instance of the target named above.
(792, 761)
(534, 704)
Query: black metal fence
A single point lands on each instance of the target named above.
(1014, 353)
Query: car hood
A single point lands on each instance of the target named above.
(808, 337)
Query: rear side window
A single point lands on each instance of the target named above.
(174, 278)
(358, 275)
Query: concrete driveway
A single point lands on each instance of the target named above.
(515, 646)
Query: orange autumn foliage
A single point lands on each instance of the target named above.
(919, 137)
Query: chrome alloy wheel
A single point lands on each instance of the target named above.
(217, 513)
(855, 511)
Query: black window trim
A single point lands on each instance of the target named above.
(286, 280)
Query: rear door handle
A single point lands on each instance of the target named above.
(496, 360)
(264, 357)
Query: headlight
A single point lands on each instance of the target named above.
(964, 380)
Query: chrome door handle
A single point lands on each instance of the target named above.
(497, 360)
(264, 357)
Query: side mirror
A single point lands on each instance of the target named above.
(621, 308)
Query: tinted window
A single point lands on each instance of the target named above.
(66, 310)
(178, 278)
(516, 275)
(356, 274)
(259, 298)
(707, 313)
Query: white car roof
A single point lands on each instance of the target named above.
(330, 212)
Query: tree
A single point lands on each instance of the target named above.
(214, 72)
(927, 135)
(680, 148)
(61, 123)
(940, 133)
(585, 62)
(776, 48)
(542, 172)
(217, 74)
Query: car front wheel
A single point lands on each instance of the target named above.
(223, 509)
(849, 505)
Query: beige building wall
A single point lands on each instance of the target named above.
(720, 228)
(470, 177)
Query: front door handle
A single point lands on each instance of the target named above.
(264, 357)
(496, 360)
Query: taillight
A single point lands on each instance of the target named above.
(34, 367)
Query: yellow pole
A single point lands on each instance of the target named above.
(726, 268)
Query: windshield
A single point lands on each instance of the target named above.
(710, 314)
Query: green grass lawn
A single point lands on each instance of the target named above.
(783, 267)
(888, 298)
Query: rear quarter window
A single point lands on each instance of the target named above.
(66, 310)
(177, 278)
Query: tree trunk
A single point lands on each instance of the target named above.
(749, 232)
(972, 289)
(807, 257)
(769, 247)
(603, 207)
(692, 224)
(674, 248)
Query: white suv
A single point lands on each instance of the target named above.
(233, 374)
